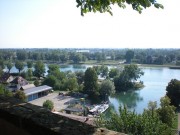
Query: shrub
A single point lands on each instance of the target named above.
(48, 104)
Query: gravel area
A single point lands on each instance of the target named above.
(60, 101)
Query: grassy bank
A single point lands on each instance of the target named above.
(113, 63)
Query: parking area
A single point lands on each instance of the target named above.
(60, 101)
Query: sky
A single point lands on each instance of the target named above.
(58, 24)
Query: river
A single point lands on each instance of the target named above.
(155, 80)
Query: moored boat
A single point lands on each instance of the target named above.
(98, 109)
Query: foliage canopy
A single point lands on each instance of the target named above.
(103, 6)
(173, 91)
(150, 122)
(20, 95)
(48, 104)
(90, 83)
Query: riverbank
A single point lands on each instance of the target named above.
(120, 63)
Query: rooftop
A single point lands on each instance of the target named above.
(34, 90)
(20, 80)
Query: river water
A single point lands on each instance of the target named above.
(155, 81)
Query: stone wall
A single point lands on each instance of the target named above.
(18, 118)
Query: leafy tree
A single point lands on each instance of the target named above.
(55, 56)
(48, 104)
(64, 57)
(114, 72)
(55, 71)
(104, 71)
(36, 83)
(5, 92)
(19, 65)
(9, 66)
(2, 65)
(173, 92)
(70, 74)
(133, 72)
(29, 73)
(24, 75)
(29, 64)
(77, 58)
(160, 60)
(50, 80)
(20, 95)
(53, 67)
(97, 69)
(106, 88)
(71, 84)
(39, 69)
(80, 77)
(129, 55)
(149, 59)
(90, 83)
(126, 79)
(166, 111)
(21, 55)
(84, 58)
(100, 56)
(105, 6)
(1, 71)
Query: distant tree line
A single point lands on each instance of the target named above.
(139, 56)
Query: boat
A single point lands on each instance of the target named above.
(98, 109)
(103, 108)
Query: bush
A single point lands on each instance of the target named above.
(48, 104)
(20, 95)
(36, 83)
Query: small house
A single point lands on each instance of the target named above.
(17, 83)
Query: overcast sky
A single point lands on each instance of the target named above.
(58, 24)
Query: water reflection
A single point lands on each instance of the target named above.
(130, 99)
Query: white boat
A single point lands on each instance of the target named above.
(103, 108)
(98, 109)
(95, 109)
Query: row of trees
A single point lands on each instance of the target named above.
(38, 66)
(142, 56)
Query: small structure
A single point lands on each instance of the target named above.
(18, 82)
(6, 78)
(37, 92)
